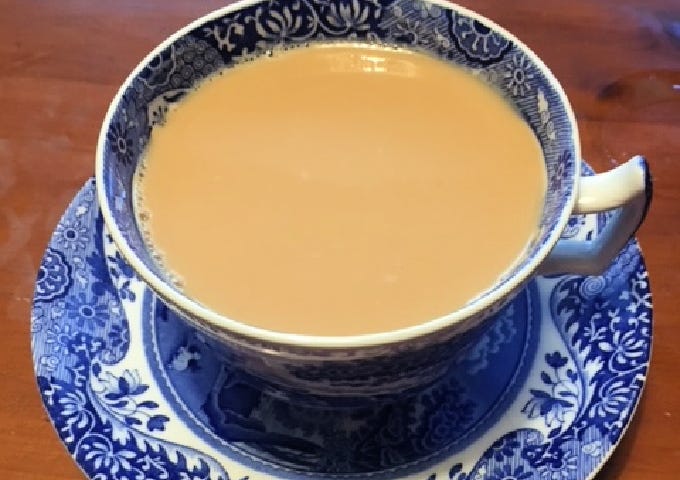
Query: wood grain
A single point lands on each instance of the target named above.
(60, 64)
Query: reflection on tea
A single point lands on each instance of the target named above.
(340, 189)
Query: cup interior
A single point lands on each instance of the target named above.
(246, 30)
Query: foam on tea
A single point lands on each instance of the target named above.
(341, 189)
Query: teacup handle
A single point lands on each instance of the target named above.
(626, 188)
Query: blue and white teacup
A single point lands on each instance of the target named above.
(389, 362)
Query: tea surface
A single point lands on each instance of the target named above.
(341, 189)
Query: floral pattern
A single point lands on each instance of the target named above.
(54, 277)
(561, 396)
(87, 312)
(348, 16)
(104, 418)
(478, 41)
(71, 236)
(518, 75)
(121, 140)
(120, 396)
(58, 338)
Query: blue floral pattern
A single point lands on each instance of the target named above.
(54, 277)
(121, 394)
(518, 75)
(560, 396)
(84, 311)
(101, 379)
(121, 140)
(106, 419)
(478, 42)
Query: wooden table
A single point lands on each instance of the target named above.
(62, 61)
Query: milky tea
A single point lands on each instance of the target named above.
(340, 189)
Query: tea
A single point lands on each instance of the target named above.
(341, 189)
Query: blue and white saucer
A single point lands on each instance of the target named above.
(135, 394)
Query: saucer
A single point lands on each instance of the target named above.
(133, 393)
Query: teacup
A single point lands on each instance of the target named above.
(364, 366)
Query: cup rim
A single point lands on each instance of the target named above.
(214, 321)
